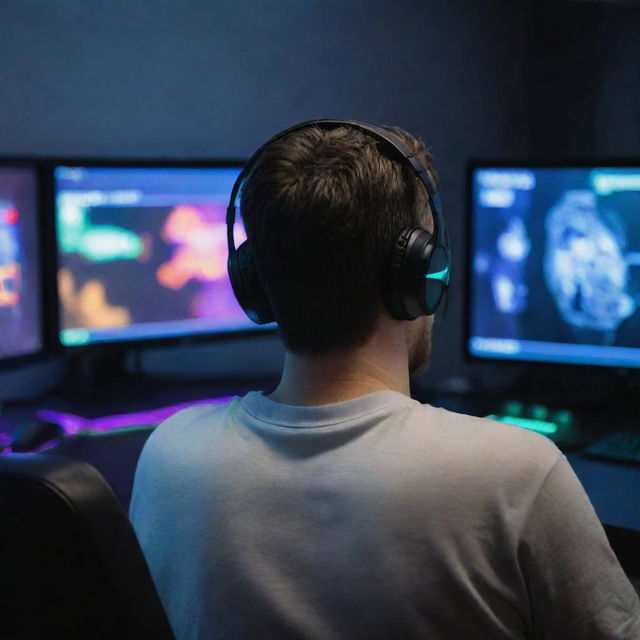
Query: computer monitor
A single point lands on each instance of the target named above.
(142, 252)
(554, 263)
(21, 332)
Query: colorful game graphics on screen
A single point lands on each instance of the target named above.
(555, 265)
(20, 305)
(143, 253)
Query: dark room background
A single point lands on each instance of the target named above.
(483, 79)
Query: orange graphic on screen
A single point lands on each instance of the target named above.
(10, 284)
(201, 248)
(88, 307)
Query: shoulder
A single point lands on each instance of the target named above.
(185, 427)
(485, 450)
(460, 426)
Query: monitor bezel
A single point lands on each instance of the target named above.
(53, 257)
(35, 163)
(527, 163)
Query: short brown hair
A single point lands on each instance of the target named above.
(322, 209)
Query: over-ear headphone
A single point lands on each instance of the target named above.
(419, 267)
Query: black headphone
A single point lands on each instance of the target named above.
(420, 263)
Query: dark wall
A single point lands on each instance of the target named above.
(618, 115)
(584, 74)
(196, 78)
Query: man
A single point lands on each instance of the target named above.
(337, 507)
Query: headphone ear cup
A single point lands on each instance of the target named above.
(246, 284)
(409, 285)
(393, 281)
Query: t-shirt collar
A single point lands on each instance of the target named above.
(259, 406)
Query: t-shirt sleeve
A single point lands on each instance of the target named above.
(576, 586)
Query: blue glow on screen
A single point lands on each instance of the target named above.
(555, 265)
(142, 253)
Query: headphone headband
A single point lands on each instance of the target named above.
(419, 267)
(373, 130)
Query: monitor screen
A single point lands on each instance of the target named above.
(142, 253)
(554, 264)
(20, 277)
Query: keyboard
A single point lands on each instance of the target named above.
(558, 425)
(619, 446)
(541, 426)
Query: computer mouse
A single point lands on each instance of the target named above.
(33, 434)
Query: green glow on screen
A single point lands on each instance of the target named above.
(97, 243)
(610, 181)
(106, 243)
(74, 337)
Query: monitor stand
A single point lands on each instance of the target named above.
(579, 388)
(100, 373)
(101, 383)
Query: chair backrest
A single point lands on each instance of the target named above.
(101, 449)
(71, 564)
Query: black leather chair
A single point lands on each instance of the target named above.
(71, 566)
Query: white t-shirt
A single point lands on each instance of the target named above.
(374, 518)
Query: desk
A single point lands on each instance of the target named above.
(614, 490)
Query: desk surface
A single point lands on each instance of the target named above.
(614, 489)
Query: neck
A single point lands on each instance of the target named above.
(379, 365)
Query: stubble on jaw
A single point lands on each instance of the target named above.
(420, 351)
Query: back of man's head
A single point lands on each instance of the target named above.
(323, 209)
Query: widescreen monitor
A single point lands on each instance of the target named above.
(20, 274)
(142, 252)
(554, 264)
